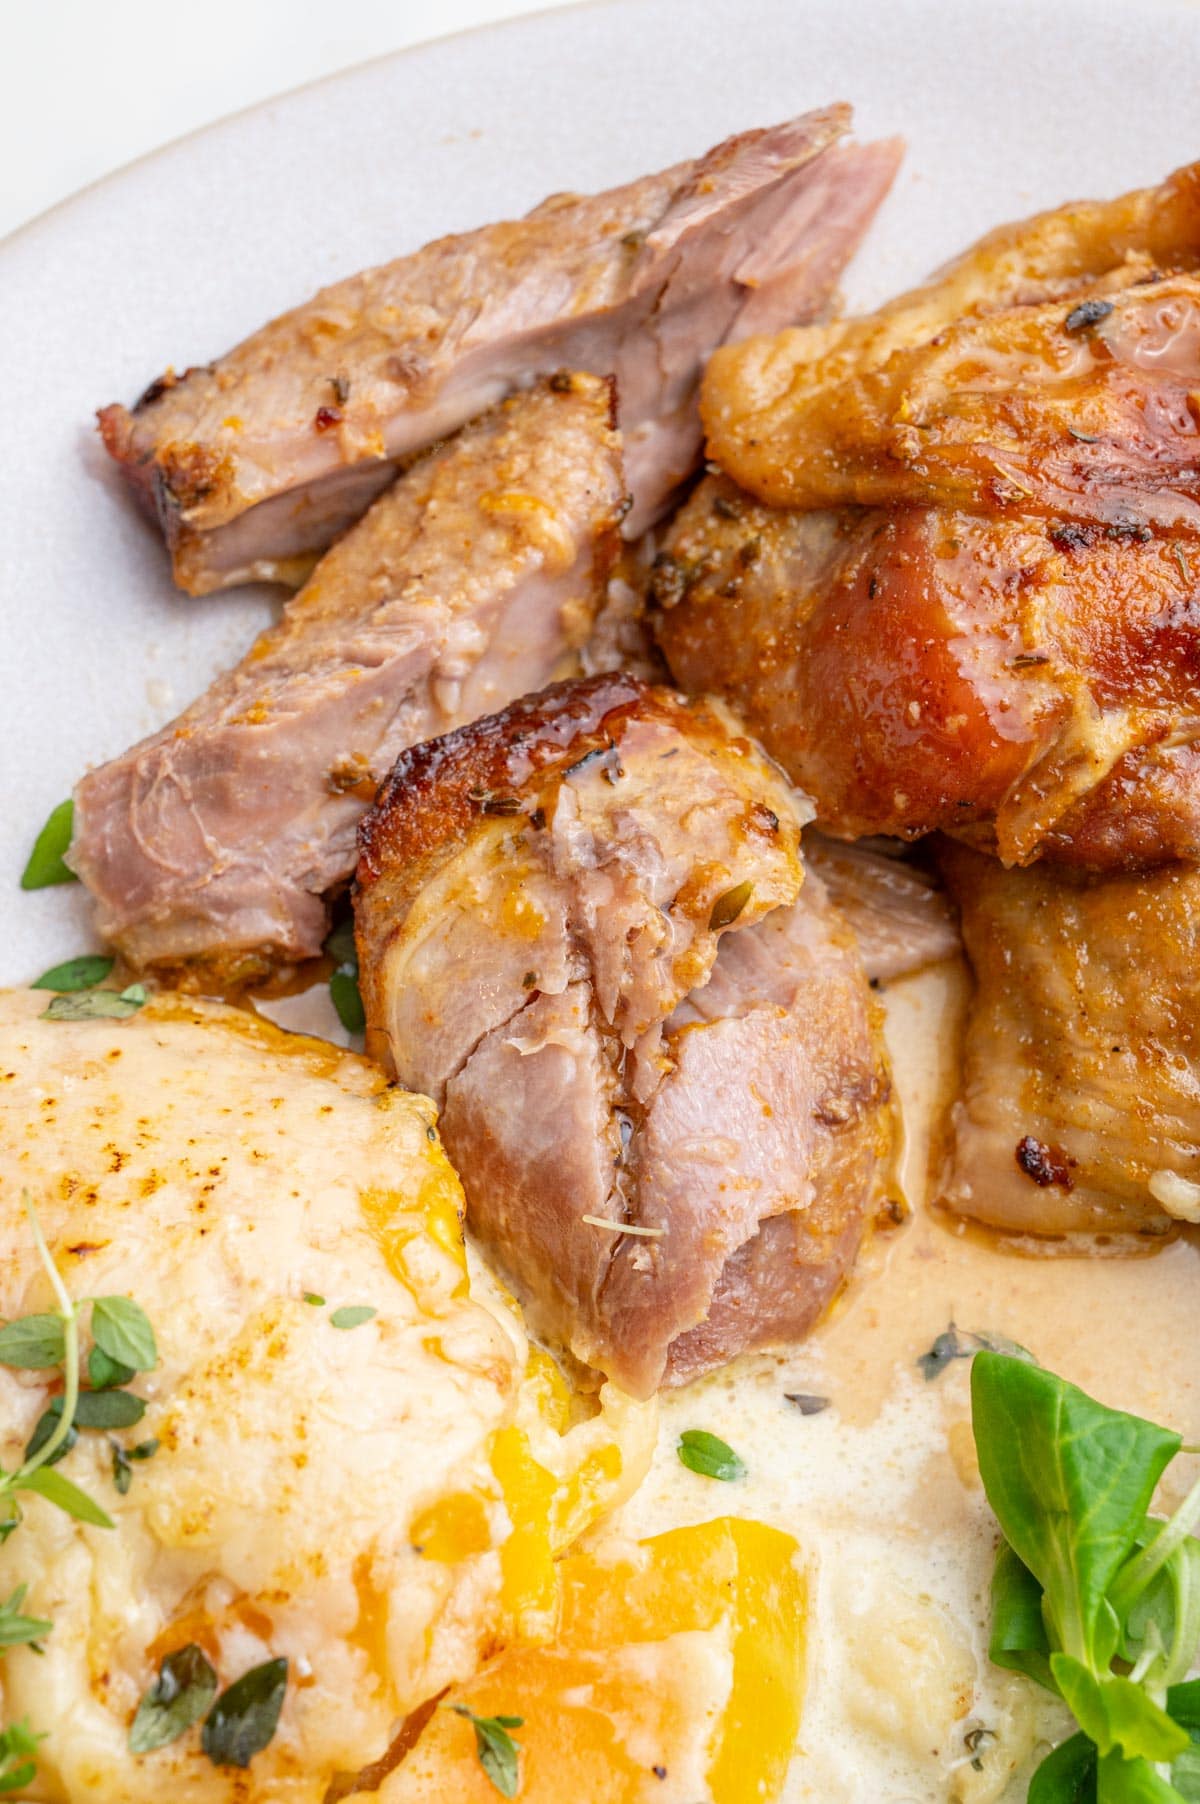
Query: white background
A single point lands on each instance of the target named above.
(91, 84)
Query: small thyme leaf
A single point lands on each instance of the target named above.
(33, 1343)
(959, 1343)
(807, 1402)
(711, 1457)
(104, 1373)
(82, 973)
(499, 1755)
(181, 1694)
(16, 1629)
(245, 1716)
(45, 1427)
(314, 1297)
(57, 1489)
(17, 1743)
(46, 865)
(108, 1409)
(729, 905)
(352, 1315)
(121, 1328)
(122, 1458)
(97, 1005)
(347, 1000)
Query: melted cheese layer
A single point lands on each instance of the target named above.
(223, 1173)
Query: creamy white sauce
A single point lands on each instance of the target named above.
(881, 1490)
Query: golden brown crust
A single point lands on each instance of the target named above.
(437, 792)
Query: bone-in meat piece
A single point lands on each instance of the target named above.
(1046, 371)
(255, 462)
(211, 846)
(1080, 1108)
(581, 931)
(1030, 686)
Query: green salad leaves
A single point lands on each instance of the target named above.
(1092, 1597)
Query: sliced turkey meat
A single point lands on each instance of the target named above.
(210, 847)
(255, 462)
(581, 930)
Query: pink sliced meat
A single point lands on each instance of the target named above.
(581, 930)
(255, 462)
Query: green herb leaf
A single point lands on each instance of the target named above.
(311, 1296)
(122, 1458)
(44, 1428)
(97, 1005)
(105, 1373)
(1018, 1638)
(729, 905)
(1131, 1782)
(121, 1328)
(17, 1630)
(33, 1342)
(1117, 1714)
(108, 1409)
(245, 1716)
(81, 973)
(1183, 1706)
(17, 1743)
(57, 1489)
(1066, 1776)
(1070, 1483)
(185, 1687)
(712, 1458)
(959, 1343)
(352, 1315)
(46, 860)
(499, 1755)
(347, 1000)
(340, 944)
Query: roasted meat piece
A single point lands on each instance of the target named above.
(255, 462)
(660, 1073)
(1034, 687)
(898, 914)
(1048, 371)
(1080, 1108)
(211, 846)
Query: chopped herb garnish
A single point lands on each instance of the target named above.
(499, 1755)
(16, 1629)
(121, 1328)
(1091, 1596)
(59, 1490)
(709, 1456)
(33, 1343)
(104, 1373)
(122, 1458)
(347, 1000)
(18, 1743)
(312, 1296)
(244, 1718)
(47, 1425)
(46, 860)
(727, 907)
(958, 1343)
(82, 973)
(807, 1402)
(181, 1694)
(97, 1005)
(1088, 313)
(352, 1315)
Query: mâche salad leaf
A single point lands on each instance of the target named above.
(1092, 1597)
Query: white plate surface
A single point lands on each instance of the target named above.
(1005, 108)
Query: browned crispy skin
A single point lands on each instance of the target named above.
(1047, 371)
(254, 463)
(660, 1073)
(1081, 1076)
(1033, 687)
